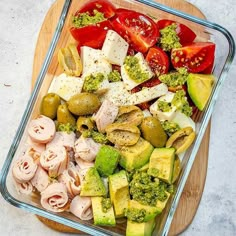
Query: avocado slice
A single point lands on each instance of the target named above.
(140, 229)
(162, 163)
(176, 169)
(138, 212)
(101, 217)
(119, 192)
(107, 160)
(199, 88)
(92, 185)
(162, 204)
(135, 156)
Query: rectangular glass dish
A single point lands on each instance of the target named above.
(225, 49)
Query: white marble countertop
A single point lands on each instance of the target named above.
(20, 23)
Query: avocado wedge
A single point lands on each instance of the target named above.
(199, 88)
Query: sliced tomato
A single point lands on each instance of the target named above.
(91, 35)
(209, 69)
(196, 57)
(185, 34)
(139, 30)
(158, 60)
(104, 6)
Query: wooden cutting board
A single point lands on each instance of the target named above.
(192, 193)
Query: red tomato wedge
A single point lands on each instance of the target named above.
(91, 35)
(104, 6)
(158, 60)
(139, 30)
(196, 57)
(185, 34)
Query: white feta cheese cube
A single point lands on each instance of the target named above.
(129, 82)
(183, 121)
(66, 86)
(162, 116)
(115, 48)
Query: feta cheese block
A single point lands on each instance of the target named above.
(66, 86)
(115, 48)
(129, 82)
(148, 94)
(183, 121)
(90, 57)
(162, 116)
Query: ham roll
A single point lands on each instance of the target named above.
(82, 207)
(72, 180)
(55, 160)
(41, 179)
(63, 139)
(106, 115)
(54, 198)
(24, 169)
(24, 188)
(41, 129)
(86, 148)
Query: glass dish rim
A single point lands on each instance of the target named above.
(32, 99)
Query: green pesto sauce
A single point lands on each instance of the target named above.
(181, 103)
(144, 189)
(92, 82)
(84, 19)
(96, 136)
(169, 38)
(164, 106)
(134, 69)
(114, 76)
(106, 204)
(68, 128)
(176, 78)
(136, 215)
(170, 127)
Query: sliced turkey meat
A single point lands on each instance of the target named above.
(41, 129)
(24, 188)
(82, 207)
(106, 115)
(54, 198)
(55, 160)
(24, 169)
(86, 148)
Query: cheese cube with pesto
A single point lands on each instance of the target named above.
(115, 48)
(162, 108)
(135, 71)
(66, 86)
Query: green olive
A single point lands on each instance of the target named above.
(64, 116)
(84, 123)
(83, 104)
(49, 105)
(153, 132)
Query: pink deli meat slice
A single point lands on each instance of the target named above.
(54, 198)
(72, 180)
(41, 179)
(86, 148)
(41, 129)
(82, 207)
(24, 188)
(55, 160)
(106, 115)
(63, 139)
(24, 169)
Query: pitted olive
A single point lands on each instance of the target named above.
(153, 132)
(64, 116)
(83, 104)
(84, 123)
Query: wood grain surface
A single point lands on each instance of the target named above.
(194, 187)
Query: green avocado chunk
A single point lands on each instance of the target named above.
(107, 160)
(92, 185)
(101, 217)
(199, 88)
(138, 212)
(119, 192)
(135, 156)
(162, 163)
(140, 229)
